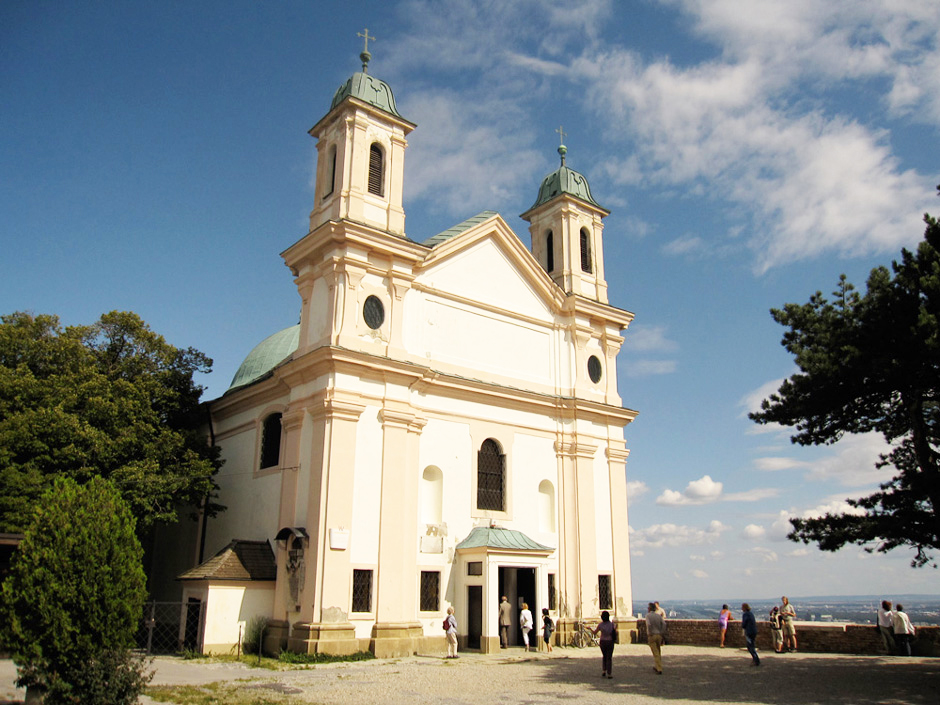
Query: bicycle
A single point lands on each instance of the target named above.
(583, 636)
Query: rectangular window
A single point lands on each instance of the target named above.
(430, 591)
(604, 594)
(362, 591)
(475, 568)
(552, 604)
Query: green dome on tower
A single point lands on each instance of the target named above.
(368, 89)
(564, 180)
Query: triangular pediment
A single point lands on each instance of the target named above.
(486, 262)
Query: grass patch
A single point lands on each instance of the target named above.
(217, 694)
(305, 659)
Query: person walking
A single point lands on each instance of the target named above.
(788, 614)
(548, 626)
(903, 631)
(505, 621)
(749, 625)
(525, 623)
(451, 623)
(607, 630)
(723, 618)
(655, 629)
(886, 626)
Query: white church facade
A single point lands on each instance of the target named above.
(442, 428)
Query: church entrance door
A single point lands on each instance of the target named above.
(519, 586)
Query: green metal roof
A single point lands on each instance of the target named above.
(506, 539)
(369, 89)
(459, 228)
(565, 180)
(267, 355)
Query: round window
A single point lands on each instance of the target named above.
(373, 312)
(594, 369)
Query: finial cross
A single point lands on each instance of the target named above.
(366, 38)
(561, 133)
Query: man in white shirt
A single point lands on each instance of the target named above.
(886, 626)
(903, 631)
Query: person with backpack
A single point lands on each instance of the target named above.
(548, 626)
(450, 627)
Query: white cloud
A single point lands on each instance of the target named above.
(660, 535)
(775, 464)
(764, 554)
(753, 532)
(780, 527)
(647, 338)
(701, 574)
(647, 368)
(853, 462)
(636, 489)
(799, 552)
(697, 558)
(755, 495)
(701, 491)
(836, 506)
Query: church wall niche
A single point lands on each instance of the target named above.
(367, 486)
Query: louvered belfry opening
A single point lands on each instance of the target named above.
(550, 252)
(585, 252)
(376, 180)
(491, 476)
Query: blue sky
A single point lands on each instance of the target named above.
(154, 158)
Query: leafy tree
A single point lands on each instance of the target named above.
(872, 363)
(111, 399)
(72, 602)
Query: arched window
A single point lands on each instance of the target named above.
(432, 495)
(549, 252)
(585, 251)
(376, 170)
(491, 477)
(271, 441)
(546, 506)
(331, 184)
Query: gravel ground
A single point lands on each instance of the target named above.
(691, 675)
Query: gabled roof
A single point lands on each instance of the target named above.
(240, 560)
(459, 228)
(503, 539)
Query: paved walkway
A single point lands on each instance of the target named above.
(693, 675)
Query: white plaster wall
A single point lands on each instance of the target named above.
(367, 489)
(534, 460)
(602, 525)
(446, 444)
(318, 311)
(229, 607)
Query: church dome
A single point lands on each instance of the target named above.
(266, 355)
(368, 89)
(564, 180)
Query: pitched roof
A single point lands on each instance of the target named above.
(505, 539)
(240, 560)
(459, 228)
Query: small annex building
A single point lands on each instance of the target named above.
(440, 429)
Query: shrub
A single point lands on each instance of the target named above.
(254, 635)
(74, 596)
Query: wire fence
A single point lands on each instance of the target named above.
(171, 627)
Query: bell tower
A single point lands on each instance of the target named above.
(361, 155)
(566, 225)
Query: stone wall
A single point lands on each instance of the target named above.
(819, 637)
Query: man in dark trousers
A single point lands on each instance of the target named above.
(749, 624)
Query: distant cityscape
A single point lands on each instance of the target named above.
(921, 609)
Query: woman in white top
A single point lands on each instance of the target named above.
(525, 623)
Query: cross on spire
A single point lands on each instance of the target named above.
(562, 149)
(365, 55)
(562, 134)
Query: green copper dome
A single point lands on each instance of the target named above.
(267, 355)
(564, 180)
(368, 89)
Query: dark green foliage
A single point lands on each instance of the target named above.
(254, 635)
(872, 363)
(112, 399)
(74, 596)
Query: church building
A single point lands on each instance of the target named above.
(441, 428)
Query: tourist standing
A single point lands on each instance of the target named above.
(505, 621)
(788, 614)
(548, 626)
(776, 629)
(451, 622)
(749, 625)
(903, 631)
(886, 626)
(655, 629)
(723, 618)
(525, 623)
(607, 630)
